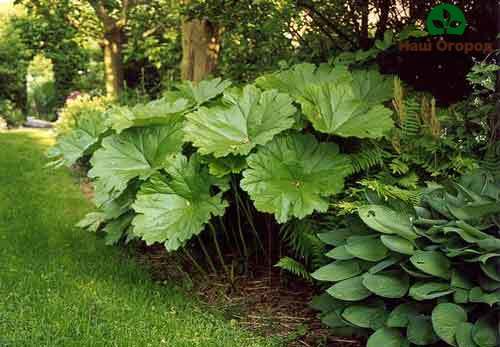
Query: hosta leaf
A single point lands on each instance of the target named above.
(387, 337)
(333, 320)
(174, 210)
(460, 280)
(366, 315)
(460, 296)
(478, 296)
(485, 331)
(350, 290)
(295, 80)
(372, 87)
(464, 335)
(294, 175)
(386, 263)
(398, 244)
(326, 303)
(338, 271)
(491, 269)
(433, 263)
(157, 112)
(401, 315)
(387, 221)
(137, 152)
(446, 318)
(420, 331)
(366, 248)
(340, 253)
(390, 284)
(253, 119)
(199, 93)
(421, 291)
(334, 109)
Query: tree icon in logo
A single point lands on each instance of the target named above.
(446, 19)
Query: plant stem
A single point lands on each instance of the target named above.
(238, 214)
(207, 256)
(249, 216)
(217, 247)
(194, 262)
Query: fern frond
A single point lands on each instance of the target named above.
(367, 159)
(410, 125)
(300, 236)
(294, 267)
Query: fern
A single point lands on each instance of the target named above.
(300, 236)
(294, 267)
(367, 159)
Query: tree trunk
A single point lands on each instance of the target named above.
(200, 49)
(113, 62)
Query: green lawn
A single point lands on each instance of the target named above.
(60, 286)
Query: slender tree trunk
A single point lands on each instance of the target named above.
(113, 62)
(364, 35)
(384, 7)
(200, 49)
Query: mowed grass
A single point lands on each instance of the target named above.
(60, 286)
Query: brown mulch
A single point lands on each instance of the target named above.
(268, 302)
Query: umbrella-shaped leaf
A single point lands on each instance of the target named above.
(334, 109)
(390, 284)
(198, 93)
(252, 119)
(157, 112)
(295, 80)
(350, 290)
(136, 152)
(338, 271)
(293, 176)
(387, 337)
(367, 248)
(172, 210)
(372, 87)
(221, 167)
(74, 145)
(446, 318)
(432, 263)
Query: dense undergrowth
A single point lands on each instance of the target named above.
(302, 157)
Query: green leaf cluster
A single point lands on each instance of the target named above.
(423, 277)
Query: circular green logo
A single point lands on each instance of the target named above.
(446, 19)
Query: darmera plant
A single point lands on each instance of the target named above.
(422, 278)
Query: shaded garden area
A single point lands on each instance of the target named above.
(312, 173)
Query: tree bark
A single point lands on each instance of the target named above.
(200, 49)
(113, 62)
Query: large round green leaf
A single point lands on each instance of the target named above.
(172, 210)
(387, 337)
(398, 244)
(485, 332)
(387, 221)
(390, 284)
(254, 118)
(293, 176)
(334, 108)
(420, 331)
(446, 318)
(464, 335)
(433, 263)
(136, 152)
(366, 316)
(430, 290)
(368, 248)
(350, 290)
(338, 271)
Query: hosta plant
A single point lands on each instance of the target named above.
(423, 278)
